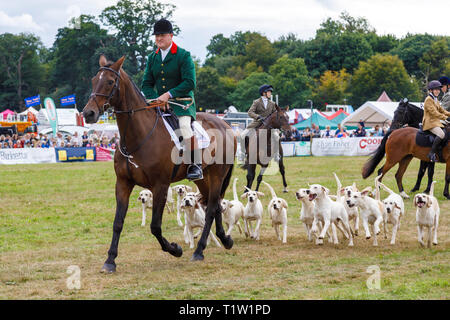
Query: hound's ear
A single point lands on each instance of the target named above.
(397, 206)
(230, 205)
(189, 189)
(429, 202)
(326, 190)
(284, 203)
(118, 64)
(366, 191)
(245, 195)
(196, 205)
(341, 191)
(260, 194)
(102, 61)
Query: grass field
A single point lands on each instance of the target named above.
(57, 215)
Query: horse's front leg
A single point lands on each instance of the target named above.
(260, 177)
(159, 202)
(447, 180)
(430, 176)
(250, 175)
(123, 191)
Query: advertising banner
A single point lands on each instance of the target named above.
(345, 146)
(75, 154)
(33, 101)
(296, 148)
(68, 100)
(50, 107)
(104, 154)
(27, 155)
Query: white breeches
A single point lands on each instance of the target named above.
(438, 132)
(185, 127)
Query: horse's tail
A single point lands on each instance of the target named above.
(374, 160)
(226, 181)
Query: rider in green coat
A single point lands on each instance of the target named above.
(170, 74)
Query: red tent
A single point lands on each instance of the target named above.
(384, 97)
(337, 113)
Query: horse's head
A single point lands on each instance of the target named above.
(279, 120)
(105, 89)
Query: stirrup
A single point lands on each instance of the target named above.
(197, 173)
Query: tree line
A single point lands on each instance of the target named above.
(346, 62)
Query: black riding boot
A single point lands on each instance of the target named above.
(434, 149)
(194, 171)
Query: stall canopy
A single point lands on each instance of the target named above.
(6, 113)
(318, 120)
(373, 113)
(338, 116)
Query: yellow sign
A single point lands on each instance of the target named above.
(89, 154)
(62, 155)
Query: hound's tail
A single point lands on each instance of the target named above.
(385, 188)
(235, 195)
(339, 186)
(432, 188)
(271, 189)
(377, 187)
(374, 160)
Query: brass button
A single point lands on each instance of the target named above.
(162, 64)
(164, 87)
(163, 79)
(162, 71)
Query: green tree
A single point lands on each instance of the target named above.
(247, 90)
(435, 60)
(133, 22)
(291, 81)
(332, 88)
(22, 73)
(209, 92)
(382, 72)
(411, 49)
(75, 56)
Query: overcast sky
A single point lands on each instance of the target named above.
(199, 20)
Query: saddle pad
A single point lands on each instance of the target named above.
(425, 139)
(199, 131)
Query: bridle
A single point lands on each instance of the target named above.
(94, 95)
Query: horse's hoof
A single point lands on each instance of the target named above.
(197, 257)
(108, 268)
(427, 191)
(227, 242)
(367, 238)
(447, 196)
(414, 189)
(176, 251)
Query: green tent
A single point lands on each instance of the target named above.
(318, 120)
(339, 118)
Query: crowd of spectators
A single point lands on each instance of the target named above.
(340, 132)
(30, 140)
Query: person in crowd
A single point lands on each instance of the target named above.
(315, 131)
(76, 140)
(115, 139)
(306, 135)
(445, 101)
(84, 139)
(340, 132)
(433, 116)
(296, 136)
(327, 133)
(360, 132)
(378, 131)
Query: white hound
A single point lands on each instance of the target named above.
(232, 211)
(277, 209)
(253, 211)
(427, 215)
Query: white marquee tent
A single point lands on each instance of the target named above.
(374, 112)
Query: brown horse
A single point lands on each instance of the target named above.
(145, 154)
(401, 148)
(259, 147)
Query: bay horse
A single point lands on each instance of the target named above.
(144, 157)
(409, 115)
(259, 151)
(401, 148)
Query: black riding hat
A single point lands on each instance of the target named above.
(265, 88)
(444, 80)
(162, 26)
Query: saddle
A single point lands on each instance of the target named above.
(173, 124)
(426, 139)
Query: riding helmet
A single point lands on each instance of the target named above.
(265, 88)
(434, 85)
(162, 26)
(444, 80)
